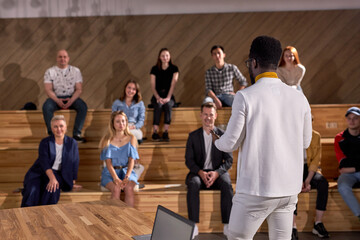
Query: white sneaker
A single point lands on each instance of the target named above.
(226, 229)
(196, 231)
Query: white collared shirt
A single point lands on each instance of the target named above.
(208, 146)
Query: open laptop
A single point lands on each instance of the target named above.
(169, 225)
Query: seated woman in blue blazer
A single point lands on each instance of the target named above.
(56, 167)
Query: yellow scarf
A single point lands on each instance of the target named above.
(266, 74)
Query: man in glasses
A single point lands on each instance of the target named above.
(271, 124)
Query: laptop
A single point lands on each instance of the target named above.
(169, 225)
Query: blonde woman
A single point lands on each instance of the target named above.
(119, 153)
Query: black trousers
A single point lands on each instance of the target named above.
(159, 108)
(322, 186)
(195, 184)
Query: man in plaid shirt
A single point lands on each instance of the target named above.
(219, 80)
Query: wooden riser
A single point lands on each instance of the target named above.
(338, 217)
(29, 126)
(161, 161)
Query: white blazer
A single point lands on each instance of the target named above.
(271, 123)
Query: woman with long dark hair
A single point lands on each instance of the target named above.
(132, 105)
(163, 78)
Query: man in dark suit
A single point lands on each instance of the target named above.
(208, 166)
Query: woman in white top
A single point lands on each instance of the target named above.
(55, 169)
(290, 70)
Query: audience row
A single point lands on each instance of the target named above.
(63, 85)
(57, 164)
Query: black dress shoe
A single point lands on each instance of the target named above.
(79, 139)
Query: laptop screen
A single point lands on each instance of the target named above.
(169, 225)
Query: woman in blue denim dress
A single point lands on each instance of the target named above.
(119, 153)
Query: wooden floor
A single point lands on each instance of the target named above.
(108, 219)
(302, 236)
(338, 216)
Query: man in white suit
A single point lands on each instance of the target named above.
(271, 124)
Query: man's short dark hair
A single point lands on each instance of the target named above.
(267, 51)
(208, 105)
(216, 47)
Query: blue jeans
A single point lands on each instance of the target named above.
(225, 98)
(79, 106)
(345, 183)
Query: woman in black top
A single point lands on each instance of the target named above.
(163, 77)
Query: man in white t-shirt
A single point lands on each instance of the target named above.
(63, 85)
(271, 125)
(208, 166)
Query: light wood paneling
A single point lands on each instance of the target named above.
(111, 50)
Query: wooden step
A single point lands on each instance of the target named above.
(162, 162)
(29, 126)
(23, 130)
(172, 195)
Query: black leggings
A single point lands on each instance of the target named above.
(322, 186)
(159, 108)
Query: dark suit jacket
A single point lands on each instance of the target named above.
(46, 159)
(195, 153)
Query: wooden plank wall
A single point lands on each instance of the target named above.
(111, 50)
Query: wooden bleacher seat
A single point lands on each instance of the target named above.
(329, 120)
(24, 130)
(164, 163)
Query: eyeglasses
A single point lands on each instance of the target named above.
(247, 62)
